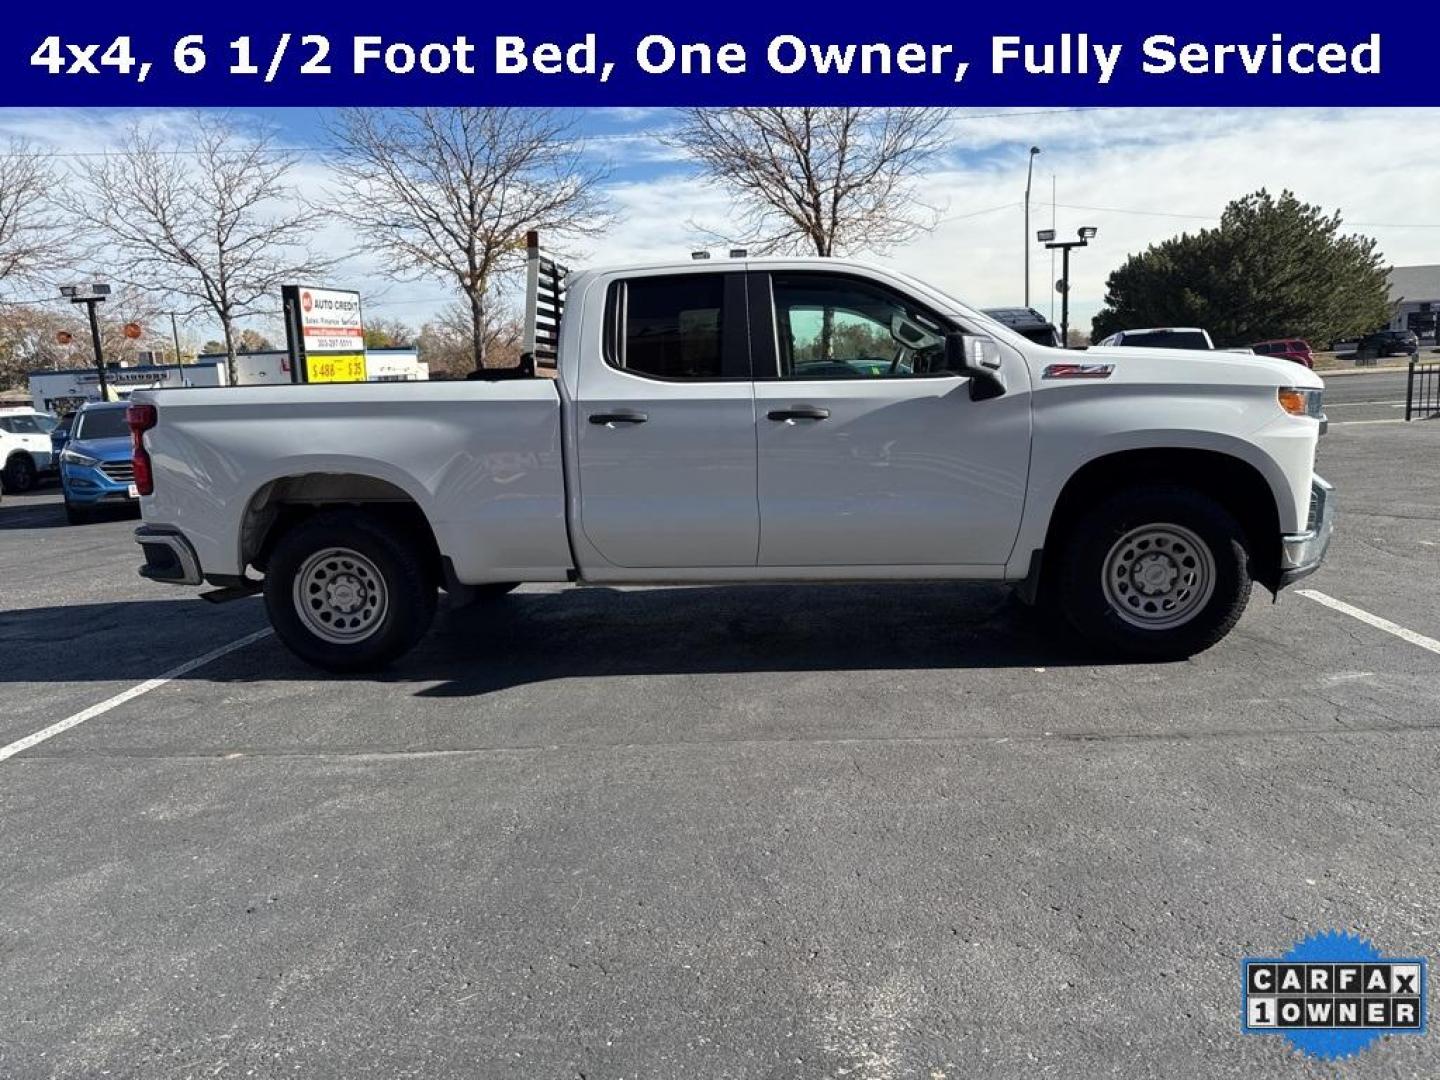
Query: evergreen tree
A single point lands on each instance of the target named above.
(1274, 268)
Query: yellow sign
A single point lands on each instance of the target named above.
(336, 367)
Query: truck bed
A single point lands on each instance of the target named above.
(480, 458)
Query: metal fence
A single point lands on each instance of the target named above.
(1422, 391)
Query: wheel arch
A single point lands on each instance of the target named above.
(1236, 484)
(281, 503)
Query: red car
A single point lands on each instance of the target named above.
(1292, 349)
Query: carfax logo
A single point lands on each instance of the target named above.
(1332, 995)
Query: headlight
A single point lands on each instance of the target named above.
(74, 457)
(1305, 402)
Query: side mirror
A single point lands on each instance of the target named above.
(977, 356)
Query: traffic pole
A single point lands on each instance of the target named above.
(99, 356)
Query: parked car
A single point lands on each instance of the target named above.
(1384, 343)
(24, 447)
(1028, 323)
(96, 470)
(1134, 493)
(60, 435)
(1162, 337)
(1296, 350)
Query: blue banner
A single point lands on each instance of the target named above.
(738, 52)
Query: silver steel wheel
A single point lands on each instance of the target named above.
(1158, 577)
(340, 596)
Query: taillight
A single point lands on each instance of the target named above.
(141, 419)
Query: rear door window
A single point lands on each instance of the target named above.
(681, 326)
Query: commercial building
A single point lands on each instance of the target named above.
(66, 391)
(1415, 300)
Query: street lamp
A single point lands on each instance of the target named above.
(1029, 174)
(90, 295)
(1047, 237)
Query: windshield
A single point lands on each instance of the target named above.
(1167, 339)
(102, 424)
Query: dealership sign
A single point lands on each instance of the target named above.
(326, 334)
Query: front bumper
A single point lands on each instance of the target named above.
(168, 556)
(1302, 553)
(92, 485)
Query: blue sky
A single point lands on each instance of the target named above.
(1138, 175)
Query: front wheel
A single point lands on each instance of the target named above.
(346, 592)
(1157, 573)
(20, 473)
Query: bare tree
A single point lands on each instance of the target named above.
(213, 224)
(31, 334)
(449, 194)
(446, 342)
(819, 180)
(33, 238)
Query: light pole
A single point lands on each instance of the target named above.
(90, 295)
(1029, 175)
(1047, 237)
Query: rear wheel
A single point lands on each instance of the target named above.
(20, 473)
(346, 592)
(1155, 573)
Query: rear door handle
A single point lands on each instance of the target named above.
(800, 412)
(624, 416)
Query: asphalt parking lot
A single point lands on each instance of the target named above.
(863, 832)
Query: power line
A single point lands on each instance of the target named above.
(977, 213)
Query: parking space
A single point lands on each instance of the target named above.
(801, 831)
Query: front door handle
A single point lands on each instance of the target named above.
(624, 416)
(800, 412)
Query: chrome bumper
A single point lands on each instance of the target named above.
(168, 556)
(1302, 553)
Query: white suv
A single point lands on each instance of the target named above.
(24, 447)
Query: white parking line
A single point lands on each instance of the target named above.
(129, 695)
(1354, 423)
(1373, 620)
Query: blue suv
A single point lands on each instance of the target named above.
(95, 467)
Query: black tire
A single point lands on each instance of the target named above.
(20, 473)
(78, 515)
(405, 593)
(1104, 589)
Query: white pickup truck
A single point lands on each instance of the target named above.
(749, 420)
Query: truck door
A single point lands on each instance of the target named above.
(666, 425)
(869, 454)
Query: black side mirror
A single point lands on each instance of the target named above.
(978, 357)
